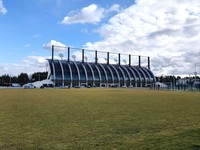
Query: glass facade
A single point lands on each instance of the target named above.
(72, 73)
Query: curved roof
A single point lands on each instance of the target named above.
(77, 73)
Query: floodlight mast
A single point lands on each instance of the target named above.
(124, 61)
(74, 57)
(116, 61)
(61, 56)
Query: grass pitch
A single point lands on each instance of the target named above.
(109, 119)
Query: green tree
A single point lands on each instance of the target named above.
(38, 76)
(5, 80)
(23, 78)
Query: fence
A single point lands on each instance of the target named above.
(77, 54)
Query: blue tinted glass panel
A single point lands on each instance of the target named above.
(103, 76)
(125, 73)
(74, 71)
(96, 73)
(130, 72)
(58, 70)
(145, 73)
(108, 72)
(82, 72)
(141, 73)
(114, 73)
(66, 70)
(119, 72)
(136, 72)
(89, 72)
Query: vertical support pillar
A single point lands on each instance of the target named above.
(119, 59)
(108, 58)
(96, 59)
(68, 54)
(149, 63)
(83, 55)
(52, 48)
(54, 76)
(139, 61)
(129, 60)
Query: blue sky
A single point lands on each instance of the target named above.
(28, 24)
(168, 31)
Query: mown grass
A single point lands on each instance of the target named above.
(104, 119)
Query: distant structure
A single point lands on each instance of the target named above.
(94, 74)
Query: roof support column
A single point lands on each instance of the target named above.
(108, 58)
(129, 60)
(149, 63)
(119, 57)
(68, 54)
(83, 56)
(96, 58)
(139, 61)
(52, 48)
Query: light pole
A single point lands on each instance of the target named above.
(74, 57)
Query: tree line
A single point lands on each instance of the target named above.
(22, 78)
(163, 79)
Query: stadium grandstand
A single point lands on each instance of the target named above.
(74, 73)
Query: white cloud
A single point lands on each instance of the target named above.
(115, 8)
(2, 8)
(28, 65)
(31, 64)
(58, 46)
(160, 29)
(90, 14)
(36, 36)
(27, 45)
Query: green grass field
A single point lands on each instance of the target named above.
(99, 119)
